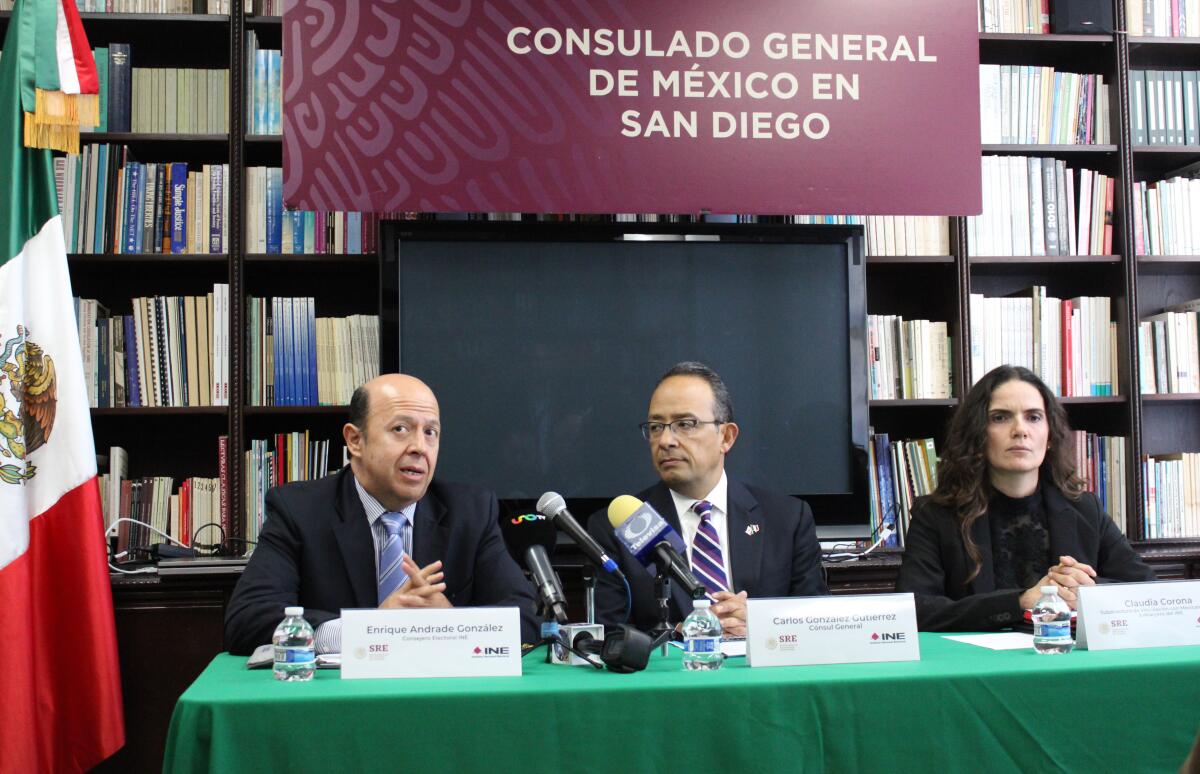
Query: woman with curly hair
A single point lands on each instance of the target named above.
(1009, 514)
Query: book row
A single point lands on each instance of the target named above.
(273, 230)
(900, 472)
(298, 359)
(885, 234)
(1162, 107)
(191, 515)
(113, 204)
(1166, 217)
(146, 6)
(1039, 206)
(1023, 104)
(1021, 17)
(196, 514)
(908, 358)
(284, 458)
(171, 351)
(1071, 344)
(264, 102)
(1169, 350)
(178, 101)
(1163, 18)
(1100, 462)
(1171, 492)
(891, 234)
(264, 7)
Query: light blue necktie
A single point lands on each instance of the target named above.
(391, 574)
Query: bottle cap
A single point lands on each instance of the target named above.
(290, 611)
(703, 602)
(1049, 589)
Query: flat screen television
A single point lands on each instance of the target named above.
(544, 341)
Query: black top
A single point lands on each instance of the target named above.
(1020, 540)
(937, 569)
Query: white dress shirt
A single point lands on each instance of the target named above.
(689, 520)
(329, 634)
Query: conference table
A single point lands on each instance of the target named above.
(961, 707)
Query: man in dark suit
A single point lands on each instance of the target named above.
(741, 540)
(380, 532)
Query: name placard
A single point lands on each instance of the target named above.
(1139, 615)
(831, 630)
(455, 642)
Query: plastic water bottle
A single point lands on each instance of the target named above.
(1052, 623)
(295, 647)
(702, 638)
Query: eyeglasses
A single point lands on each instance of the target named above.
(682, 427)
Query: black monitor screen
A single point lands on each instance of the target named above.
(543, 352)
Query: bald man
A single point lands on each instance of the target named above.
(379, 533)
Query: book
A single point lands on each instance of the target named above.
(120, 87)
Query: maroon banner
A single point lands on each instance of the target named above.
(600, 106)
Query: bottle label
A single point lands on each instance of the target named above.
(1053, 629)
(285, 655)
(702, 645)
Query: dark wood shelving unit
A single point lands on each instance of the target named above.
(1173, 397)
(886, 403)
(1038, 260)
(296, 410)
(1049, 150)
(160, 411)
(355, 258)
(914, 260)
(119, 258)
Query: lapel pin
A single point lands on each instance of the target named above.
(752, 529)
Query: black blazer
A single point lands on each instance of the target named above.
(316, 550)
(936, 564)
(781, 559)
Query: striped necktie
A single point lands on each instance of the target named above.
(707, 560)
(391, 575)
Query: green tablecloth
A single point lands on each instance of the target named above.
(960, 708)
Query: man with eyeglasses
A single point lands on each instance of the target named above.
(742, 541)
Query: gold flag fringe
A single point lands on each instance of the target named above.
(60, 137)
(57, 117)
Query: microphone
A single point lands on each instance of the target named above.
(530, 541)
(650, 538)
(554, 507)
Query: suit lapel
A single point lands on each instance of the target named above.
(353, 534)
(745, 550)
(431, 534)
(660, 498)
(1063, 524)
(981, 531)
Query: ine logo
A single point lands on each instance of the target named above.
(490, 652)
(885, 638)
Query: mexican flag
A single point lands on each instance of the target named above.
(60, 689)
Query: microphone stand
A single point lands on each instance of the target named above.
(589, 592)
(662, 629)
